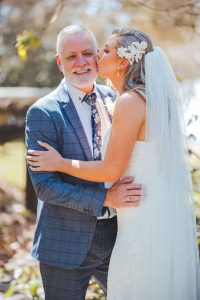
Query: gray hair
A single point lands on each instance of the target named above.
(135, 75)
(75, 29)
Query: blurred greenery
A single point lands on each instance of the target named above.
(26, 281)
(25, 41)
(12, 161)
(32, 26)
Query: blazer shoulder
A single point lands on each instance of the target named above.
(47, 102)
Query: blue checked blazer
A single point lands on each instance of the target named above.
(68, 207)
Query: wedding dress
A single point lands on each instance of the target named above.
(137, 270)
(129, 271)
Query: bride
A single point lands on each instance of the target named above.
(155, 256)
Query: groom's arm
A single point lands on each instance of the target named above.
(49, 186)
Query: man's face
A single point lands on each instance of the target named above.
(77, 59)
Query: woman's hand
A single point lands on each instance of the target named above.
(49, 160)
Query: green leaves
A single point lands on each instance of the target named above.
(26, 281)
(25, 41)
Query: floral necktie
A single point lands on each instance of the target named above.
(96, 135)
(96, 125)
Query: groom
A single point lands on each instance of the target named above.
(75, 233)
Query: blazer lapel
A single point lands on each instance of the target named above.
(74, 119)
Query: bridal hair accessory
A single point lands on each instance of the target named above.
(133, 52)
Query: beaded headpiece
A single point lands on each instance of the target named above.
(133, 52)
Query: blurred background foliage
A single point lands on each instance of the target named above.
(29, 29)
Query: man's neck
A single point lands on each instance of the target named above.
(77, 91)
(86, 90)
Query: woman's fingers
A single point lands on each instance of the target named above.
(32, 158)
(45, 145)
(34, 163)
(37, 152)
(34, 152)
(127, 179)
(40, 160)
(133, 193)
(134, 186)
(35, 169)
(130, 204)
(133, 199)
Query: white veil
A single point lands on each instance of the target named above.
(174, 241)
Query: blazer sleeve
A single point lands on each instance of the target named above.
(49, 186)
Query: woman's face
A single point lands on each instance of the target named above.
(108, 59)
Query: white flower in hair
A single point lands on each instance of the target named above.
(133, 52)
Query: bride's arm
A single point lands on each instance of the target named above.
(128, 118)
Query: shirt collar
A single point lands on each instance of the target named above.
(74, 92)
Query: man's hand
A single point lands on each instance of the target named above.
(124, 193)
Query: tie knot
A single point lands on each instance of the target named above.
(90, 98)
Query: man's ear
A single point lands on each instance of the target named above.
(57, 57)
(124, 64)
